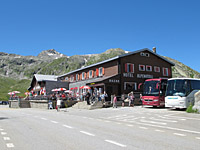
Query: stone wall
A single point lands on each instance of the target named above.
(42, 104)
(14, 104)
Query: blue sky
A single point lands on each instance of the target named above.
(75, 27)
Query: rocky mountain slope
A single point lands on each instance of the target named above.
(54, 63)
(17, 71)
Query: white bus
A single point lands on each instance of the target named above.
(180, 92)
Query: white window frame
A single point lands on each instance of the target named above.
(77, 77)
(135, 84)
(147, 54)
(129, 64)
(148, 66)
(155, 69)
(142, 54)
(100, 71)
(140, 67)
(166, 70)
(71, 78)
(90, 73)
(83, 76)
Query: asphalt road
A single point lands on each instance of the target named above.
(102, 129)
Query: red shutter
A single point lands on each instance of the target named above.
(78, 77)
(97, 72)
(164, 71)
(88, 74)
(85, 75)
(131, 67)
(103, 70)
(126, 67)
(169, 72)
(92, 74)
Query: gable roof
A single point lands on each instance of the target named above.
(40, 77)
(117, 57)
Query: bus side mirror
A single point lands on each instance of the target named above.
(139, 86)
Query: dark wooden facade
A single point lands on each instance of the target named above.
(121, 74)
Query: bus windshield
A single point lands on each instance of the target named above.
(151, 88)
(176, 88)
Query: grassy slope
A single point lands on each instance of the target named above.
(9, 84)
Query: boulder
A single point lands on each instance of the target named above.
(197, 101)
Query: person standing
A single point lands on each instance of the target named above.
(58, 103)
(123, 99)
(114, 101)
(88, 97)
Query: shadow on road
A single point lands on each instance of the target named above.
(2, 118)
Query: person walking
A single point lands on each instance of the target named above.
(114, 101)
(88, 97)
(123, 99)
(131, 100)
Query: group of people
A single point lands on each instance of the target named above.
(130, 99)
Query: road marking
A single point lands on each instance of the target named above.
(116, 143)
(161, 123)
(118, 123)
(9, 145)
(163, 120)
(67, 126)
(106, 121)
(54, 121)
(129, 125)
(170, 128)
(99, 119)
(6, 138)
(87, 133)
(179, 134)
(159, 131)
(3, 133)
(44, 118)
(143, 128)
(1, 129)
(198, 138)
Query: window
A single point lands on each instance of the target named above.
(165, 72)
(83, 75)
(90, 73)
(156, 69)
(142, 67)
(66, 78)
(77, 77)
(142, 54)
(147, 54)
(71, 78)
(129, 67)
(132, 86)
(148, 68)
(100, 71)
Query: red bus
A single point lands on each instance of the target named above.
(154, 92)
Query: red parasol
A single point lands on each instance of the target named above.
(85, 87)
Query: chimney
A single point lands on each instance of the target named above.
(154, 49)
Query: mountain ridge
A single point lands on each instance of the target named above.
(55, 63)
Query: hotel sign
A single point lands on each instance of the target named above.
(130, 75)
(148, 76)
